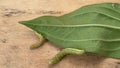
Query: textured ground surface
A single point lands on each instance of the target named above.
(15, 38)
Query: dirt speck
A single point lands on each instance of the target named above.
(14, 47)
(12, 12)
(4, 40)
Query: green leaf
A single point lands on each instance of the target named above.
(93, 28)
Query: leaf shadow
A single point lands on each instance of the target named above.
(88, 60)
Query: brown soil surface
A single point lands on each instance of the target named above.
(15, 39)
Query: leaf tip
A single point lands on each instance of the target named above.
(22, 22)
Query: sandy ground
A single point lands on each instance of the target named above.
(15, 39)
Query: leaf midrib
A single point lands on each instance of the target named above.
(85, 25)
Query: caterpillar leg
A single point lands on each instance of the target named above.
(65, 52)
(41, 42)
